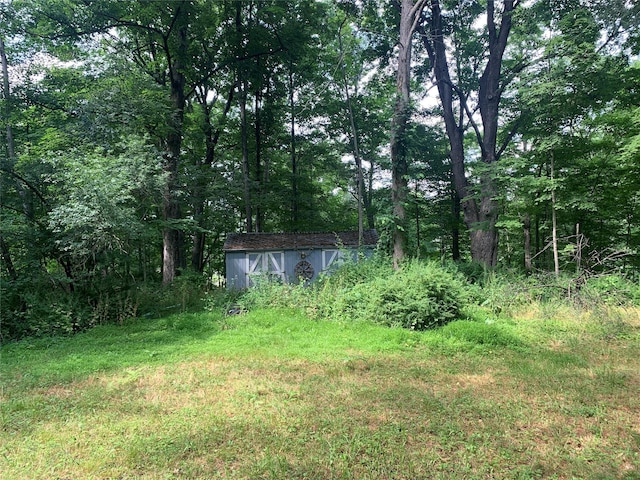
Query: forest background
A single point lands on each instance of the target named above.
(137, 134)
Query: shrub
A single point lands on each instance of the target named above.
(32, 308)
(343, 294)
(267, 293)
(610, 290)
(418, 296)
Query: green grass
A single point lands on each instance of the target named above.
(272, 394)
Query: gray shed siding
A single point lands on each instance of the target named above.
(250, 255)
(237, 263)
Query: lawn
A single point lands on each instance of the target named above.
(272, 394)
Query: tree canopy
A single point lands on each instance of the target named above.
(136, 135)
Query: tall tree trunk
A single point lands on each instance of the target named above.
(554, 220)
(11, 152)
(172, 248)
(354, 141)
(212, 136)
(455, 225)
(11, 155)
(526, 228)
(417, 207)
(198, 237)
(294, 160)
(368, 198)
(409, 17)
(11, 148)
(6, 257)
(246, 170)
(243, 86)
(480, 211)
(260, 172)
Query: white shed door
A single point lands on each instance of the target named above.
(264, 264)
(332, 257)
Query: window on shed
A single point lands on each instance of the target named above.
(332, 258)
(265, 264)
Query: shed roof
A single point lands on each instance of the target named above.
(293, 241)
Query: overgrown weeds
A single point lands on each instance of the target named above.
(418, 296)
(508, 292)
(41, 309)
(424, 295)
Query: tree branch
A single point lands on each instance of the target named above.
(465, 105)
(512, 133)
(28, 184)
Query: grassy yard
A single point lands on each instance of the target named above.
(272, 394)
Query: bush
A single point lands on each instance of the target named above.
(418, 296)
(32, 308)
(267, 293)
(341, 295)
(324, 298)
(610, 290)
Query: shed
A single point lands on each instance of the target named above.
(290, 256)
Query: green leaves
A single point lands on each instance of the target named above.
(98, 204)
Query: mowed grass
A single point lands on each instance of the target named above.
(271, 394)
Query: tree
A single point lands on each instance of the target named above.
(559, 186)
(478, 196)
(410, 13)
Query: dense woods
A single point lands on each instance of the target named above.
(136, 135)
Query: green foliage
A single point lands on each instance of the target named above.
(187, 293)
(267, 293)
(418, 296)
(81, 218)
(32, 308)
(506, 293)
(611, 290)
(102, 193)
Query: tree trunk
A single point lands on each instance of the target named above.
(198, 237)
(246, 171)
(417, 207)
(11, 153)
(526, 228)
(368, 198)
(409, 16)
(11, 156)
(354, 142)
(294, 160)
(172, 255)
(198, 240)
(8, 262)
(212, 136)
(480, 215)
(260, 172)
(554, 221)
(455, 226)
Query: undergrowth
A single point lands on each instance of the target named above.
(417, 296)
(32, 309)
(424, 295)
